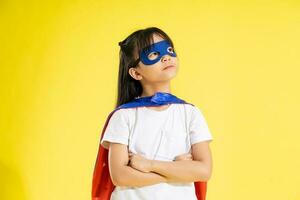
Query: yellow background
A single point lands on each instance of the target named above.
(239, 63)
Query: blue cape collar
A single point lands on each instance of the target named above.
(159, 98)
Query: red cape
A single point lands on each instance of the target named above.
(102, 185)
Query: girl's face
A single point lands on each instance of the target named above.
(163, 70)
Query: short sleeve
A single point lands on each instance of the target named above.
(199, 130)
(117, 130)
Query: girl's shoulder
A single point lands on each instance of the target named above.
(193, 111)
(122, 113)
(190, 108)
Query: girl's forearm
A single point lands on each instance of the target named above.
(181, 171)
(131, 177)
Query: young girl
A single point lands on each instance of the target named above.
(158, 144)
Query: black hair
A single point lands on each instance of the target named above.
(128, 87)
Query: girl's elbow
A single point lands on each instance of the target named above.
(207, 175)
(116, 177)
(207, 172)
(118, 180)
(114, 181)
(204, 175)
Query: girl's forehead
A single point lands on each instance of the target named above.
(155, 41)
(149, 43)
(150, 40)
(157, 38)
(157, 44)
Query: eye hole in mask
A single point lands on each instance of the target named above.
(170, 50)
(153, 53)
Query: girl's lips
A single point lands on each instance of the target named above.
(167, 67)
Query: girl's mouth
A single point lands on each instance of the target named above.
(167, 67)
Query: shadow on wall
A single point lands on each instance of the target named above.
(11, 183)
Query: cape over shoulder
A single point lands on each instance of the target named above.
(102, 185)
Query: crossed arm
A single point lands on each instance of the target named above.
(142, 172)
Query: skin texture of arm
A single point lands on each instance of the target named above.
(124, 175)
(198, 169)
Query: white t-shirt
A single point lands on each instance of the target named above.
(157, 135)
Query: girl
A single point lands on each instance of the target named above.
(158, 147)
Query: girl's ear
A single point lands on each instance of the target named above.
(133, 72)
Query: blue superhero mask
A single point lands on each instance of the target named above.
(153, 53)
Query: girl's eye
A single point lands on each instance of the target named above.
(170, 50)
(153, 55)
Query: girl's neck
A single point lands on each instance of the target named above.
(149, 91)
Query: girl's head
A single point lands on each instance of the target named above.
(144, 56)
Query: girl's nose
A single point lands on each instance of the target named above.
(165, 58)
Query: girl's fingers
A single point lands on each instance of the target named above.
(130, 154)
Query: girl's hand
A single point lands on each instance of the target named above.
(186, 156)
(138, 162)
